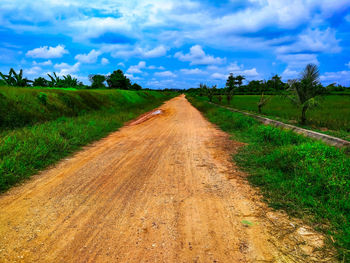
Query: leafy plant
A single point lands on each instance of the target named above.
(40, 82)
(42, 98)
(306, 89)
(14, 79)
(117, 80)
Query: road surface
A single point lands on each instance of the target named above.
(161, 189)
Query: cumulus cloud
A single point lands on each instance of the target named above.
(167, 74)
(89, 58)
(194, 71)
(47, 52)
(65, 69)
(197, 56)
(44, 63)
(136, 69)
(127, 51)
(104, 61)
(332, 77)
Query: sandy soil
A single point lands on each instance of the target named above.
(162, 189)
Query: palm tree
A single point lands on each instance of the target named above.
(306, 89)
(14, 79)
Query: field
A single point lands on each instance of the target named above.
(332, 116)
(41, 126)
(306, 178)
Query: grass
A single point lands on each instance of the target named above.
(306, 178)
(331, 117)
(41, 134)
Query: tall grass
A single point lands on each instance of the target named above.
(332, 116)
(305, 177)
(62, 126)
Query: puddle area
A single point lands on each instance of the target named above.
(157, 112)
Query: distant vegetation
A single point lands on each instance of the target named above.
(304, 177)
(304, 100)
(116, 80)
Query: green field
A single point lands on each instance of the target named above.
(331, 117)
(306, 178)
(37, 132)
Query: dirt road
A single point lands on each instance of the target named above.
(162, 189)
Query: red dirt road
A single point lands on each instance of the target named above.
(162, 189)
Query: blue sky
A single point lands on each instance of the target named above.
(176, 44)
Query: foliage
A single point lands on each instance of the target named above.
(117, 80)
(306, 178)
(136, 86)
(97, 81)
(42, 98)
(15, 79)
(306, 89)
(40, 82)
(262, 102)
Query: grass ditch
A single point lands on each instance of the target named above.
(67, 121)
(306, 178)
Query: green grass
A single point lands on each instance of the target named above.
(331, 117)
(306, 178)
(41, 134)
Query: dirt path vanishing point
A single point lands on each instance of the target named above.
(162, 189)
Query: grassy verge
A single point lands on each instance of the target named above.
(306, 178)
(26, 150)
(331, 117)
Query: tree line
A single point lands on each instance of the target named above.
(302, 92)
(115, 80)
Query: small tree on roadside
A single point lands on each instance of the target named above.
(97, 81)
(306, 89)
(231, 82)
(211, 92)
(229, 95)
(263, 99)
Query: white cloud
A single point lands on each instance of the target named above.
(313, 41)
(137, 68)
(66, 69)
(298, 61)
(167, 73)
(44, 63)
(121, 64)
(156, 52)
(127, 51)
(34, 71)
(198, 57)
(47, 52)
(104, 61)
(218, 76)
(194, 71)
(154, 67)
(290, 74)
(89, 58)
(341, 77)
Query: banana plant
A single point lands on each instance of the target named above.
(14, 79)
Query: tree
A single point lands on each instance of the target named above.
(97, 81)
(211, 92)
(239, 81)
(231, 82)
(263, 99)
(14, 79)
(306, 89)
(229, 95)
(136, 86)
(117, 80)
(40, 82)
